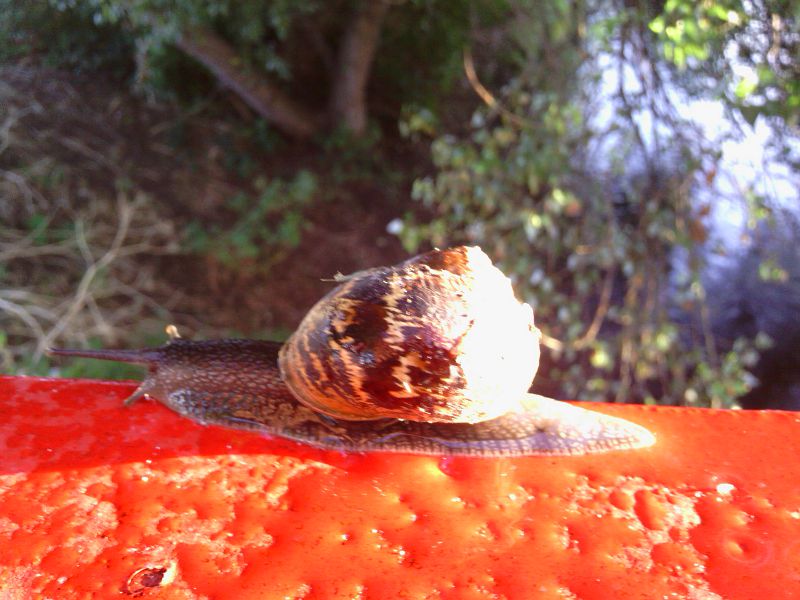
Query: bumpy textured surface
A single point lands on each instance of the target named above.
(101, 501)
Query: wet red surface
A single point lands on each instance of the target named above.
(100, 500)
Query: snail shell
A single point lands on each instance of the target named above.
(437, 338)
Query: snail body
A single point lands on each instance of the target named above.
(431, 356)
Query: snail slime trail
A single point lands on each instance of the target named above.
(431, 356)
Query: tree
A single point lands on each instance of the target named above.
(347, 106)
(305, 66)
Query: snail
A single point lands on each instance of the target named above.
(431, 356)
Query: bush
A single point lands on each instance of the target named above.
(591, 238)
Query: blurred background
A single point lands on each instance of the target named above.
(632, 165)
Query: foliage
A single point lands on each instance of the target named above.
(294, 42)
(744, 52)
(66, 279)
(264, 227)
(87, 255)
(419, 59)
(590, 217)
(64, 34)
(77, 235)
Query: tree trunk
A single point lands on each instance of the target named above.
(256, 90)
(348, 102)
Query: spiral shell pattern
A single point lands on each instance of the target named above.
(437, 338)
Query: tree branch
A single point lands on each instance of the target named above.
(348, 102)
(256, 90)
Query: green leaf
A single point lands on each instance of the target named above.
(657, 25)
(601, 359)
(745, 87)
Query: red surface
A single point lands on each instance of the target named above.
(93, 495)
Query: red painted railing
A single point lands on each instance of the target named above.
(98, 500)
